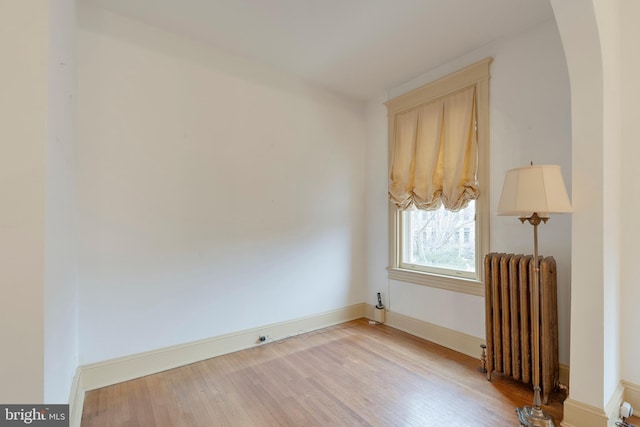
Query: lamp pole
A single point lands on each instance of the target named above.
(534, 191)
(535, 415)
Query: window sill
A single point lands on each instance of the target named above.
(454, 284)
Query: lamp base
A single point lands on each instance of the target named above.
(534, 417)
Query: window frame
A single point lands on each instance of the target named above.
(476, 74)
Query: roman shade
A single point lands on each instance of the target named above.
(435, 154)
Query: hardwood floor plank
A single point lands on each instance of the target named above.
(346, 375)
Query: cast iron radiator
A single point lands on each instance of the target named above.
(508, 279)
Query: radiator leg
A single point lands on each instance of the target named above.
(483, 359)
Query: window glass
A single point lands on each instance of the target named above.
(439, 241)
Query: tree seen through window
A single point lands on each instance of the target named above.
(440, 238)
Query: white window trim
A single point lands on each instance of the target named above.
(477, 74)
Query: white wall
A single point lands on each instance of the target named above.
(214, 195)
(23, 106)
(60, 291)
(377, 200)
(630, 296)
(38, 317)
(530, 121)
(608, 20)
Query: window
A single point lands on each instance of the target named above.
(443, 251)
(440, 248)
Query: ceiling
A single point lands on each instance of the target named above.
(359, 48)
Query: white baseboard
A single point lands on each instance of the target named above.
(632, 395)
(578, 414)
(612, 408)
(102, 374)
(458, 341)
(76, 400)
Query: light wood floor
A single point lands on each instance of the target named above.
(354, 374)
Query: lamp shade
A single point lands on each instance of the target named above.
(535, 188)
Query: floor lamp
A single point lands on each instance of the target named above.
(532, 193)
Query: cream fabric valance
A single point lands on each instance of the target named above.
(435, 154)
